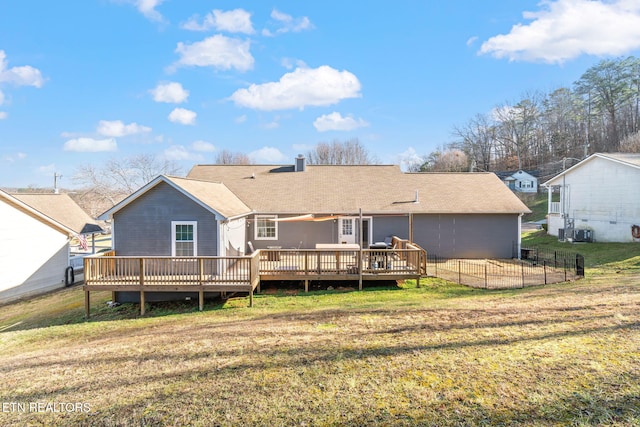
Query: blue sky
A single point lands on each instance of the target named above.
(84, 81)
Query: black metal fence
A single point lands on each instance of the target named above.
(536, 267)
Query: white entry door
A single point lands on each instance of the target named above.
(347, 230)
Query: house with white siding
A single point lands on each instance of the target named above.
(35, 235)
(520, 181)
(597, 199)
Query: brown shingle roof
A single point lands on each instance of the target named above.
(61, 208)
(374, 188)
(214, 195)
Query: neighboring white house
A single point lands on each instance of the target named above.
(520, 181)
(597, 199)
(35, 242)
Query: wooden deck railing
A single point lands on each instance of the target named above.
(110, 272)
(331, 262)
(109, 269)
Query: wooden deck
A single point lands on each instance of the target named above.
(109, 272)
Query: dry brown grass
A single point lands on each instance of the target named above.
(438, 355)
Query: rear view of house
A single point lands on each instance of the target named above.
(229, 210)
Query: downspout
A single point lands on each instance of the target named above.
(520, 234)
(411, 227)
(360, 257)
(220, 246)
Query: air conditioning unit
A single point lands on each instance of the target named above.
(582, 235)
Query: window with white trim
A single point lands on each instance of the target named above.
(266, 228)
(184, 238)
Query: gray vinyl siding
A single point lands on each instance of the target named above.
(467, 236)
(303, 234)
(384, 226)
(143, 228)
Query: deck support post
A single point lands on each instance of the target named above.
(141, 303)
(87, 305)
(251, 297)
(306, 285)
(201, 299)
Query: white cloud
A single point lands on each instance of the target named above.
(216, 51)
(90, 145)
(203, 146)
(503, 113)
(179, 152)
(267, 155)
(275, 124)
(300, 88)
(171, 92)
(147, 8)
(410, 159)
(335, 121)
(232, 21)
(3, 115)
(241, 119)
(14, 158)
(566, 29)
(1, 98)
(288, 23)
(290, 63)
(183, 116)
(20, 76)
(117, 128)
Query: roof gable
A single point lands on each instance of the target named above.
(34, 213)
(63, 209)
(627, 159)
(212, 196)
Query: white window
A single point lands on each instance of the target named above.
(184, 238)
(347, 227)
(266, 228)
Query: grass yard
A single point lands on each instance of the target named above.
(441, 354)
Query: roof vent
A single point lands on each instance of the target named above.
(301, 163)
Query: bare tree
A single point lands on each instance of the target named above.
(350, 152)
(226, 157)
(447, 160)
(477, 139)
(631, 143)
(104, 186)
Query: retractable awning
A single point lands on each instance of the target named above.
(307, 217)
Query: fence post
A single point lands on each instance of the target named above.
(544, 265)
(459, 276)
(485, 276)
(565, 269)
(522, 270)
(435, 263)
